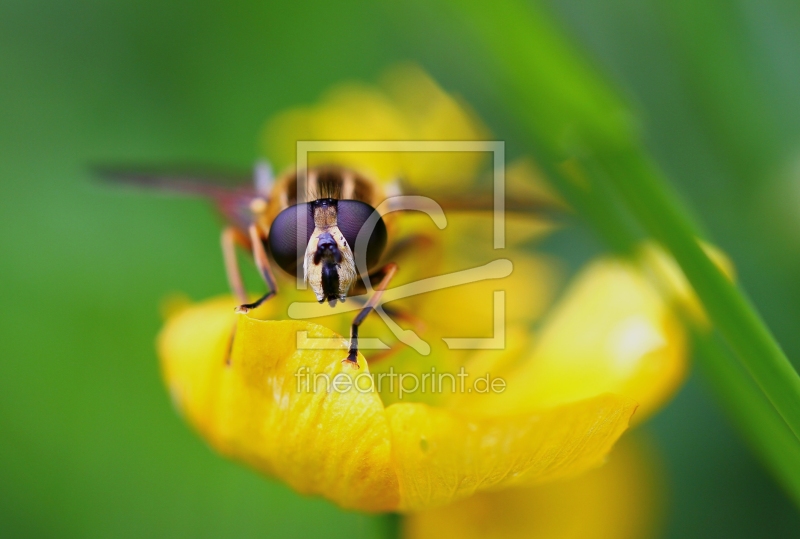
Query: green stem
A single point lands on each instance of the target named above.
(390, 526)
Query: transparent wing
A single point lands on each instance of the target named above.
(230, 191)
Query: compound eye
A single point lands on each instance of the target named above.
(353, 215)
(283, 237)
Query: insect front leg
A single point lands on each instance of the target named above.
(388, 272)
(262, 263)
(230, 237)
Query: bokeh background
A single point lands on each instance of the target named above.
(90, 444)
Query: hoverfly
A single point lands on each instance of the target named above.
(307, 219)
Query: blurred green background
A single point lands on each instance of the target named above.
(90, 444)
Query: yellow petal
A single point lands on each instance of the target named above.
(411, 107)
(254, 404)
(433, 115)
(348, 112)
(331, 444)
(442, 455)
(467, 310)
(611, 332)
(619, 500)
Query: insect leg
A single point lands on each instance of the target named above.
(262, 262)
(229, 237)
(388, 272)
(397, 313)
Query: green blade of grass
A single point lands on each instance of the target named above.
(752, 413)
(648, 198)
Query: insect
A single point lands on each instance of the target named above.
(308, 223)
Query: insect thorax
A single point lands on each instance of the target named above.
(322, 182)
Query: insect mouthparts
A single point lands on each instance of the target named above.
(327, 250)
(329, 257)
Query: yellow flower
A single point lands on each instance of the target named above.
(549, 404)
(619, 500)
(352, 449)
